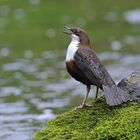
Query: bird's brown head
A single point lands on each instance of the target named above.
(80, 34)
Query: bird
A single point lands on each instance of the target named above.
(84, 66)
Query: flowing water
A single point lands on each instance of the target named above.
(35, 90)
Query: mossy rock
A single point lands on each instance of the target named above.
(99, 122)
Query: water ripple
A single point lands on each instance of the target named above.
(6, 91)
(32, 88)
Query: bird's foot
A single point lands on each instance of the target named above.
(97, 99)
(83, 106)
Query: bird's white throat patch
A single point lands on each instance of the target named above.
(72, 48)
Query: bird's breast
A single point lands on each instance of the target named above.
(72, 48)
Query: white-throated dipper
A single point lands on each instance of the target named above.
(84, 66)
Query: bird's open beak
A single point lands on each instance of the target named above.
(69, 32)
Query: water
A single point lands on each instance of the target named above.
(35, 90)
(132, 16)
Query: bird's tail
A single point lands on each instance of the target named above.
(115, 96)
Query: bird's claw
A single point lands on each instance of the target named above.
(83, 106)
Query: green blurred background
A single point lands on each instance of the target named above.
(37, 24)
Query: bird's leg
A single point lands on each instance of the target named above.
(85, 99)
(96, 97)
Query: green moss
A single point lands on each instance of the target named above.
(98, 122)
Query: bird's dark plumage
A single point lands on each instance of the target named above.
(88, 69)
(90, 65)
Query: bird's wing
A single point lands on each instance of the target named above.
(91, 66)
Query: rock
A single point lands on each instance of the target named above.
(131, 84)
(99, 122)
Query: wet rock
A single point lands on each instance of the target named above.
(131, 84)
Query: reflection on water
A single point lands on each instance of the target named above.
(34, 90)
(4, 52)
(132, 16)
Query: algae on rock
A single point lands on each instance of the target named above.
(99, 122)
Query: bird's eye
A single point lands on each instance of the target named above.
(78, 31)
